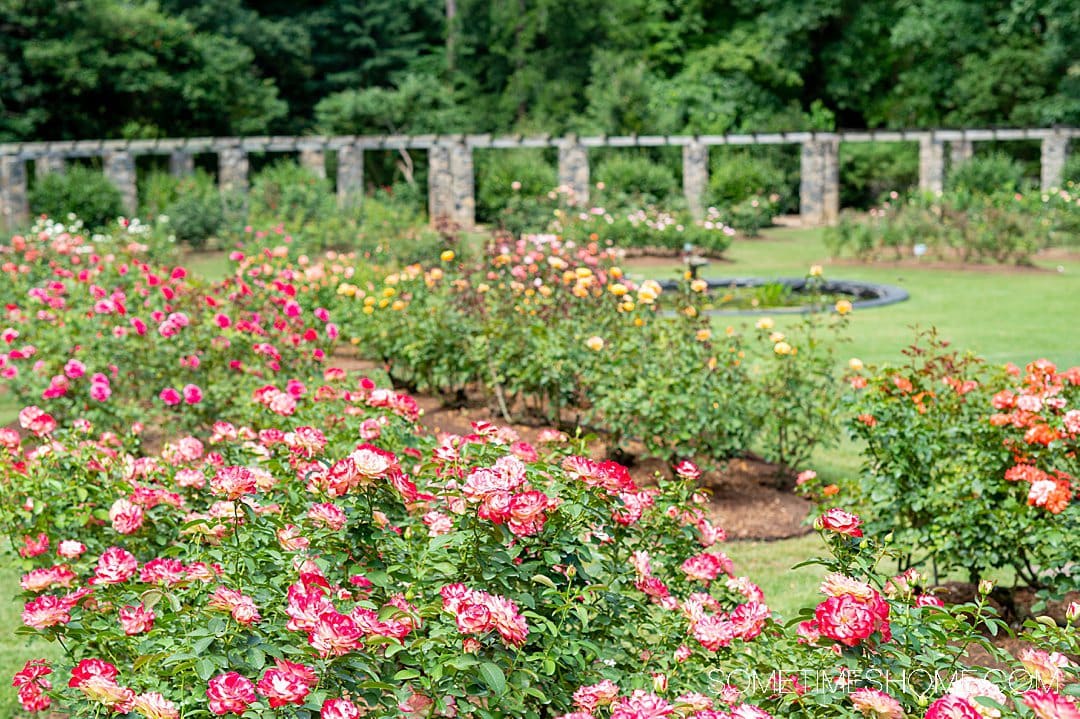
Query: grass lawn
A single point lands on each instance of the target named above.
(1003, 315)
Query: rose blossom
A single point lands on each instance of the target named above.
(839, 521)
(230, 693)
(136, 619)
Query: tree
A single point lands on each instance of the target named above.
(108, 68)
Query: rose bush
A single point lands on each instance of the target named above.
(973, 467)
(961, 225)
(556, 331)
(340, 562)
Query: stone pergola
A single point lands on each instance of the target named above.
(451, 180)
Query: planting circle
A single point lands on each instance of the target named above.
(863, 295)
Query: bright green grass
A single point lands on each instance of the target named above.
(1002, 315)
(212, 266)
(16, 649)
(9, 408)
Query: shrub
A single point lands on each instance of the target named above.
(1071, 172)
(83, 191)
(635, 180)
(869, 171)
(958, 226)
(738, 176)
(969, 468)
(281, 567)
(795, 385)
(157, 190)
(987, 174)
(196, 213)
(504, 177)
(288, 193)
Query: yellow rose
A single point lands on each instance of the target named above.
(782, 348)
(703, 335)
(595, 343)
(843, 307)
(447, 256)
(815, 271)
(855, 364)
(765, 323)
(699, 285)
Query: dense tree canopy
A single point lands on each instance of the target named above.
(140, 68)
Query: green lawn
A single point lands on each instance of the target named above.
(1005, 315)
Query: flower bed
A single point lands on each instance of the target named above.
(960, 226)
(557, 330)
(340, 562)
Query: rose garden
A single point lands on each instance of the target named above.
(223, 498)
(522, 425)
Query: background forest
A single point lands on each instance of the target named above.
(115, 68)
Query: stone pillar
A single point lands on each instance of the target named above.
(695, 177)
(350, 175)
(1054, 151)
(120, 169)
(830, 178)
(812, 183)
(931, 165)
(233, 170)
(574, 170)
(960, 151)
(14, 206)
(48, 165)
(314, 161)
(440, 179)
(181, 164)
(462, 185)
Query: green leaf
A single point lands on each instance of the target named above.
(493, 676)
(543, 579)
(205, 668)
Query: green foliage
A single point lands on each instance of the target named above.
(80, 70)
(1004, 227)
(497, 173)
(738, 176)
(288, 193)
(196, 213)
(636, 179)
(415, 104)
(870, 171)
(1071, 172)
(995, 172)
(74, 69)
(84, 191)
